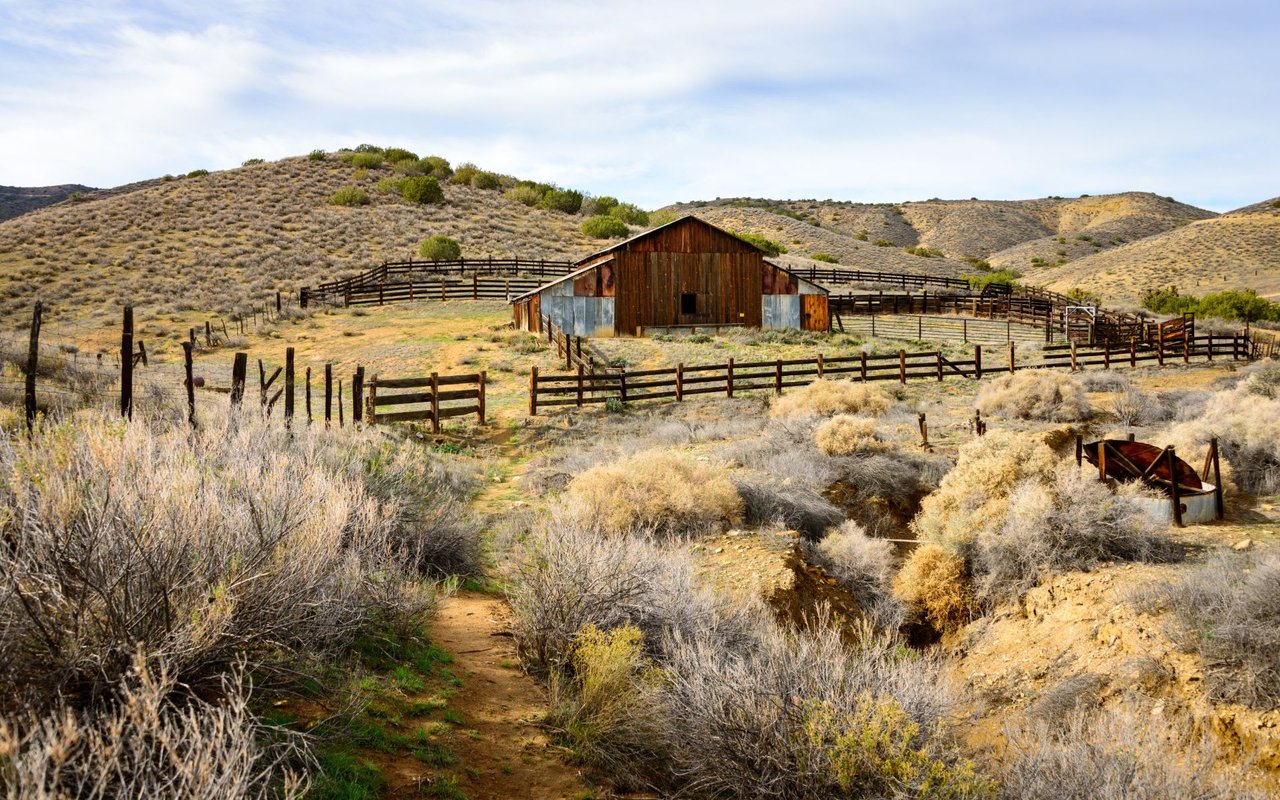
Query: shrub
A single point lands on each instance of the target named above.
(825, 398)
(974, 496)
(388, 185)
(421, 189)
(366, 161)
(935, 585)
(654, 492)
(565, 200)
(1115, 756)
(368, 148)
(397, 154)
(924, 252)
(317, 155)
(440, 248)
(826, 258)
(248, 162)
(864, 566)
(407, 166)
(791, 504)
(524, 194)
(605, 228)
(845, 434)
(147, 745)
(630, 214)
(1035, 394)
(601, 206)
(293, 552)
(349, 196)
(1072, 523)
(770, 247)
(464, 174)
(197, 173)
(1229, 613)
(882, 243)
(437, 167)
(1004, 277)
(486, 180)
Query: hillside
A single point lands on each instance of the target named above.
(18, 200)
(1238, 250)
(1016, 234)
(214, 242)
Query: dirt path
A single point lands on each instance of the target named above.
(509, 755)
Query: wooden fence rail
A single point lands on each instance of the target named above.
(424, 399)
(416, 271)
(732, 377)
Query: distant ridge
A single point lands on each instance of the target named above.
(18, 200)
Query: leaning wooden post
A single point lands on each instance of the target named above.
(435, 402)
(262, 382)
(278, 305)
(190, 382)
(1102, 460)
(924, 430)
(1174, 491)
(288, 384)
(484, 379)
(680, 382)
(977, 361)
(341, 414)
(33, 357)
(126, 364)
(308, 379)
(357, 396)
(1186, 350)
(1079, 450)
(1220, 508)
(328, 393)
(533, 391)
(902, 367)
(238, 369)
(1013, 361)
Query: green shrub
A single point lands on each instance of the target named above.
(317, 155)
(77, 197)
(630, 214)
(1230, 305)
(196, 173)
(248, 162)
(861, 236)
(525, 194)
(1007, 277)
(407, 166)
(421, 189)
(605, 228)
(566, 200)
(883, 243)
(440, 248)
(1085, 297)
(368, 148)
(486, 180)
(436, 167)
(924, 252)
(349, 196)
(601, 206)
(367, 160)
(824, 257)
(978, 263)
(388, 185)
(663, 217)
(769, 246)
(394, 154)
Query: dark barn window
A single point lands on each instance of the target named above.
(688, 303)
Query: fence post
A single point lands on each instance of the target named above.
(1012, 358)
(622, 384)
(341, 413)
(1219, 508)
(288, 384)
(902, 367)
(729, 379)
(1079, 450)
(357, 396)
(435, 402)
(373, 400)
(208, 334)
(142, 352)
(820, 366)
(126, 364)
(579, 386)
(777, 377)
(1209, 348)
(33, 357)
(862, 361)
(191, 385)
(939, 355)
(1102, 460)
(924, 430)
(1133, 352)
(308, 395)
(1106, 354)
(475, 286)
(1186, 354)
(239, 367)
(977, 362)
(328, 393)
(533, 391)
(1074, 366)
(680, 382)
(965, 322)
(1174, 491)
(278, 307)
(484, 378)
(1159, 349)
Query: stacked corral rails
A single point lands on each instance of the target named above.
(463, 278)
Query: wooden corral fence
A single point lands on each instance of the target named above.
(584, 357)
(944, 328)
(474, 278)
(730, 378)
(1264, 344)
(430, 398)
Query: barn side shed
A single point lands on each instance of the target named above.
(685, 274)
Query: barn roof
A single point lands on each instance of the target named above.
(597, 258)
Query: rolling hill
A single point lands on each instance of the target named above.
(18, 200)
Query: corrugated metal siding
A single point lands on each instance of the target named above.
(780, 311)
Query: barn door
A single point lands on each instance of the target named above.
(813, 313)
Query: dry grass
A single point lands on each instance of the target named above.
(845, 434)
(935, 585)
(864, 566)
(654, 493)
(1035, 394)
(825, 398)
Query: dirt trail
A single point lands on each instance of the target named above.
(509, 756)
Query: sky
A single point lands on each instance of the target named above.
(663, 101)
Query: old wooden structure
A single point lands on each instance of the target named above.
(686, 275)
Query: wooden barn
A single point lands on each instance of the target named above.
(683, 275)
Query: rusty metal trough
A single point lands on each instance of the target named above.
(1187, 496)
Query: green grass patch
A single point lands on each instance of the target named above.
(345, 776)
